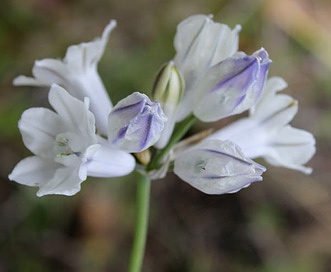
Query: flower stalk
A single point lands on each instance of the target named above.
(141, 224)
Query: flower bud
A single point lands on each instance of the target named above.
(217, 167)
(169, 86)
(135, 123)
(232, 86)
(168, 90)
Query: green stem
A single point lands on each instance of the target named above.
(141, 225)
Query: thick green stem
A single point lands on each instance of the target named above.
(141, 225)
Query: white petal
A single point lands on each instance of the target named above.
(108, 162)
(271, 87)
(74, 114)
(278, 111)
(249, 134)
(28, 81)
(71, 160)
(291, 148)
(39, 127)
(66, 181)
(90, 85)
(166, 133)
(201, 43)
(82, 56)
(33, 171)
(275, 84)
(51, 71)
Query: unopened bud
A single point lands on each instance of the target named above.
(135, 123)
(217, 167)
(168, 90)
(168, 87)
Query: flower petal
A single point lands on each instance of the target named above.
(108, 162)
(291, 148)
(50, 71)
(249, 134)
(82, 56)
(271, 87)
(272, 109)
(28, 81)
(45, 72)
(66, 181)
(74, 113)
(39, 127)
(200, 43)
(34, 171)
(276, 112)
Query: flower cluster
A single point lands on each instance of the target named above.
(207, 80)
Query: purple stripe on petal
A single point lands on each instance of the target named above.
(136, 107)
(147, 135)
(227, 155)
(242, 68)
(120, 134)
(239, 101)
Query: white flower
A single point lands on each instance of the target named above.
(200, 43)
(266, 133)
(66, 147)
(135, 123)
(217, 167)
(78, 74)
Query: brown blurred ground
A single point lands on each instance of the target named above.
(281, 224)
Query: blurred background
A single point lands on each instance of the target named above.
(281, 224)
